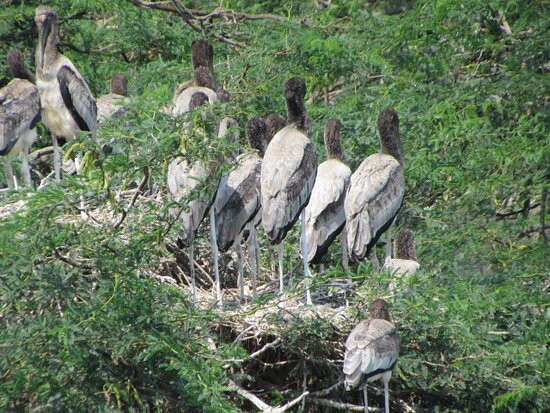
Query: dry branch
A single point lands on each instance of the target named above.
(341, 406)
(260, 404)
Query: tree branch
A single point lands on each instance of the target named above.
(260, 404)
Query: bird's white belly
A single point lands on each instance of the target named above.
(55, 114)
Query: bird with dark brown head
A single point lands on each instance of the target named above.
(332, 140)
(204, 78)
(388, 127)
(119, 85)
(275, 123)
(379, 310)
(202, 54)
(198, 99)
(255, 132)
(404, 245)
(17, 66)
(295, 92)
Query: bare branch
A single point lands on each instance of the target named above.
(134, 198)
(341, 406)
(260, 404)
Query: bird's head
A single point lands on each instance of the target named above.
(255, 133)
(379, 310)
(295, 88)
(404, 245)
(202, 53)
(44, 14)
(119, 85)
(197, 99)
(388, 128)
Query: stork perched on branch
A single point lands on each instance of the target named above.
(19, 114)
(67, 102)
(289, 169)
(375, 193)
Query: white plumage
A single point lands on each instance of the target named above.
(114, 103)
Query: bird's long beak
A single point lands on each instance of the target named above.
(45, 28)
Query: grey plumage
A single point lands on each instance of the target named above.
(289, 167)
(325, 217)
(405, 261)
(375, 192)
(372, 349)
(113, 103)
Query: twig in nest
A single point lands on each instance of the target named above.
(70, 261)
(326, 391)
(273, 344)
(341, 406)
(134, 198)
(260, 404)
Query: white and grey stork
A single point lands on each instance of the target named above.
(67, 102)
(238, 202)
(372, 349)
(325, 217)
(404, 261)
(185, 178)
(375, 193)
(289, 169)
(19, 114)
(204, 83)
(113, 104)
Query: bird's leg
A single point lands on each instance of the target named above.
(366, 398)
(214, 246)
(345, 258)
(252, 257)
(374, 258)
(281, 252)
(305, 254)
(25, 169)
(388, 242)
(192, 269)
(386, 395)
(56, 159)
(241, 270)
(271, 259)
(9, 173)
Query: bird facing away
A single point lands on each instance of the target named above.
(372, 349)
(19, 114)
(113, 103)
(405, 261)
(67, 102)
(375, 193)
(238, 198)
(325, 217)
(185, 178)
(288, 174)
(275, 123)
(203, 83)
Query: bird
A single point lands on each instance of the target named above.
(19, 115)
(372, 350)
(325, 217)
(289, 168)
(274, 123)
(404, 261)
(185, 178)
(67, 102)
(375, 193)
(112, 104)
(238, 202)
(204, 83)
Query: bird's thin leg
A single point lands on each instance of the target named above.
(271, 259)
(240, 280)
(214, 246)
(345, 258)
(305, 254)
(388, 242)
(252, 256)
(374, 259)
(386, 395)
(9, 172)
(366, 398)
(25, 168)
(56, 159)
(281, 252)
(192, 268)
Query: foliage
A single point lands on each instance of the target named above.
(83, 325)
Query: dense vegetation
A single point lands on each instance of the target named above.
(84, 322)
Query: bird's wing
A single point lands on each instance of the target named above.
(237, 199)
(19, 111)
(181, 104)
(325, 210)
(110, 105)
(181, 87)
(371, 348)
(289, 168)
(78, 98)
(374, 196)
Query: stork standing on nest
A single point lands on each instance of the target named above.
(404, 261)
(238, 203)
(325, 217)
(19, 114)
(67, 102)
(183, 178)
(113, 104)
(372, 349)
(289, 168)
(375, 193)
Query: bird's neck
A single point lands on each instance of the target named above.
(391, 145)
(297, 115)
(46, 52)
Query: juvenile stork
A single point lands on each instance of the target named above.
(372, 349)
(113, 104)
(184, 179)
(67, 102)
(325, 217)
(238, 201)
(405, 261)
(289, 168)
(19, 114)
(204, 83)
(375, 193)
